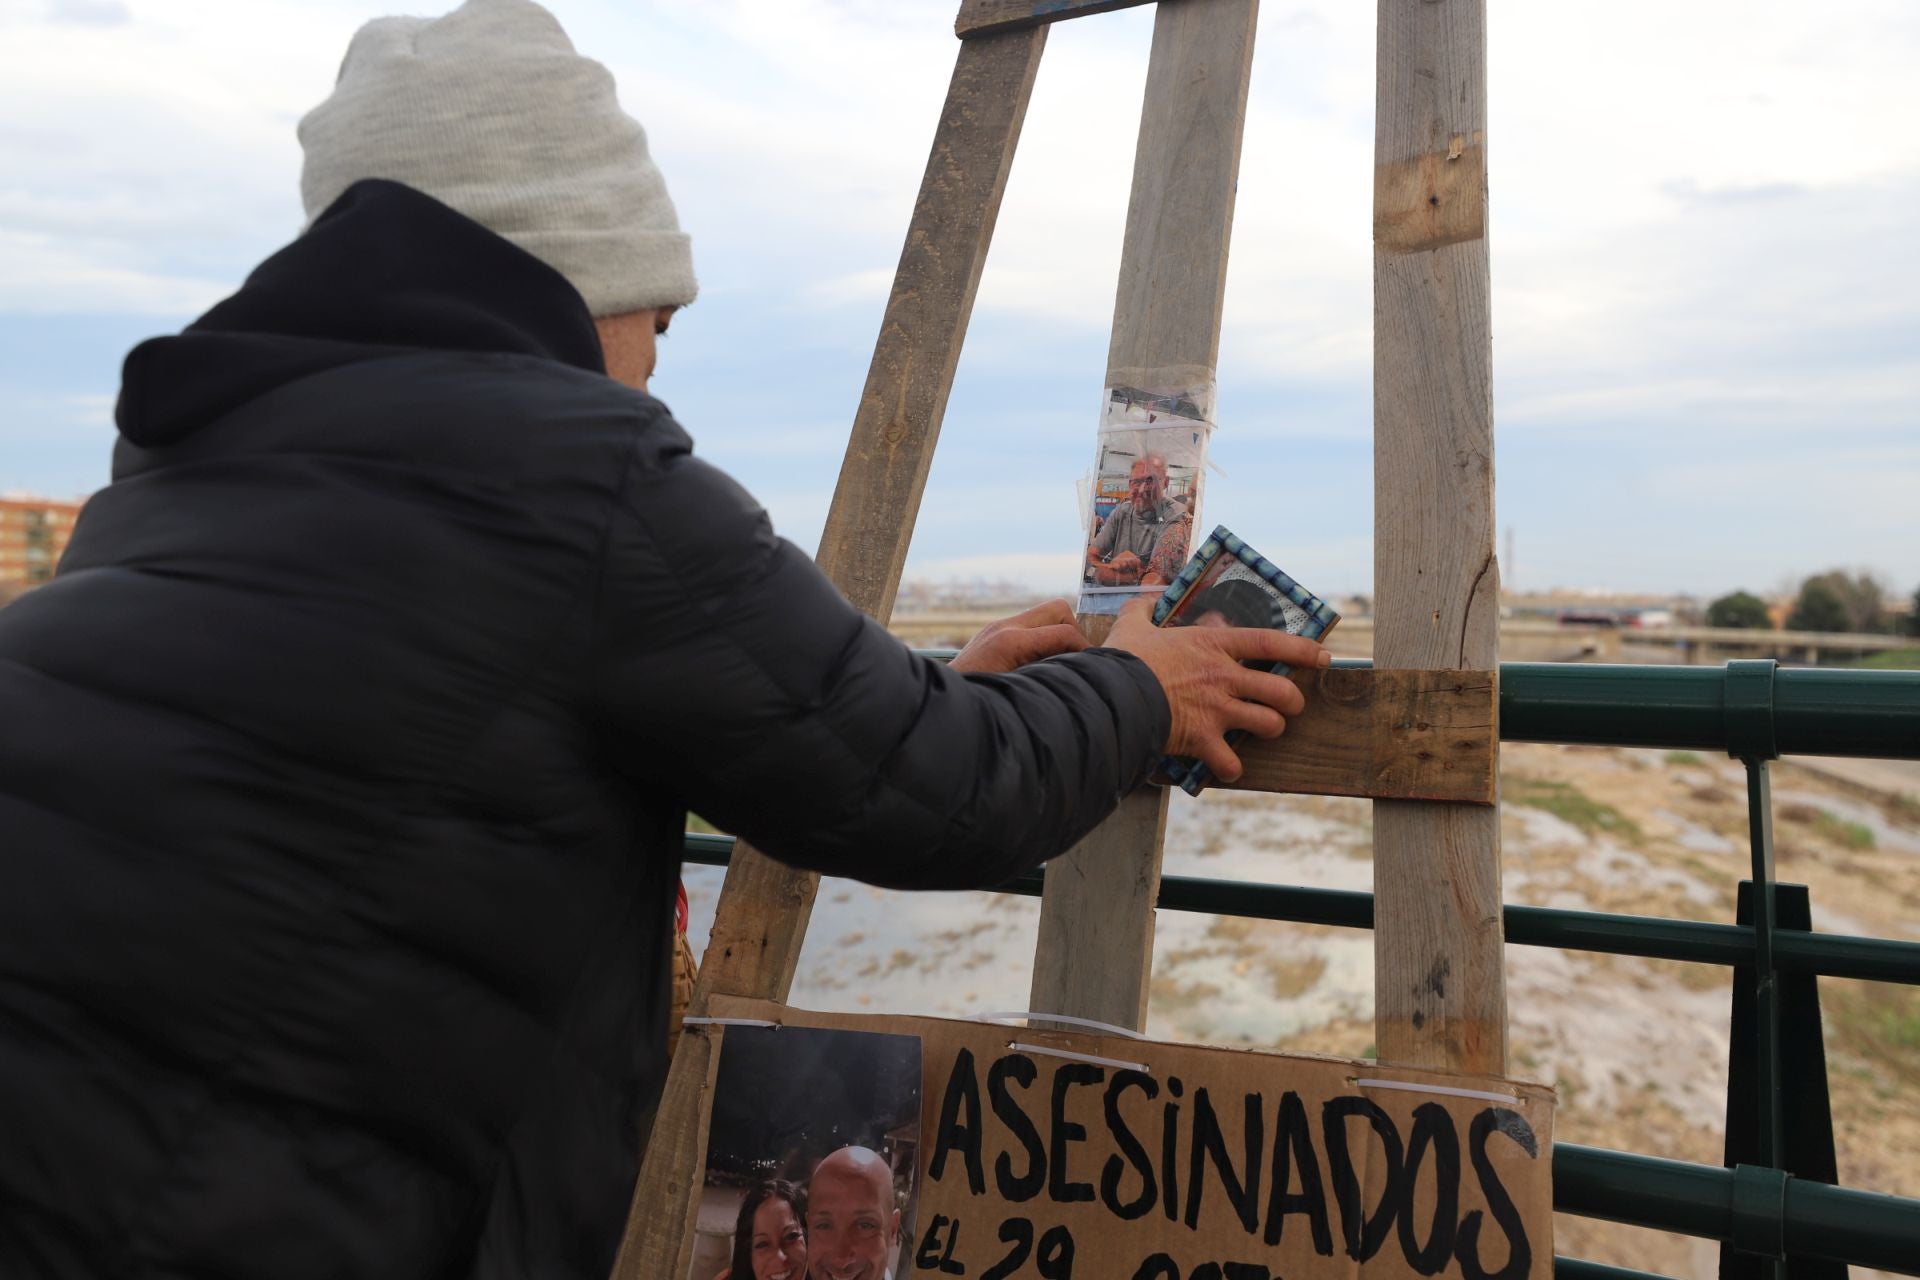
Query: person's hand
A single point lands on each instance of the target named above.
(1125, 562)
(1207, 689)
(1041, 632)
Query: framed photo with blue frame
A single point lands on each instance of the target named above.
(1229, 584)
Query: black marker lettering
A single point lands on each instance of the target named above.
(925, 1260)
(1054, 1257)
(1293, 1150)
(947, 1265)
(1209, 1141)
(1158, 1267)
(1066, 1133)
(1364, 1235)
(957, 1131)
(1007, 1107)
(1129, 1145)
(1169, 1148)
(1017, 1232)
(1519, 1250)
(1432, 1127)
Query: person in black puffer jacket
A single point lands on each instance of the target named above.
(344, 763)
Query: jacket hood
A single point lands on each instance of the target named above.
(385, 268)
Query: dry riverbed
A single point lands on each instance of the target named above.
(1637, 1049)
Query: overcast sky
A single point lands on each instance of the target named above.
(1706, 287)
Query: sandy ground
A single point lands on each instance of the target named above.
(1636, 1049)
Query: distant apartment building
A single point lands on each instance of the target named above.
(33, 533)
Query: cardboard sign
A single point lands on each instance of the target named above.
(1046, 1154)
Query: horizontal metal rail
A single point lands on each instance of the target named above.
(1830, 955)
(1761, 1210)
(1813, 711)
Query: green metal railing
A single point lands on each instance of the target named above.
(1773, 1207)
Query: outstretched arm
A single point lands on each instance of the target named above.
(730, 675)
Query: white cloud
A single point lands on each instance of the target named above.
(89, 411)
(1700, 227)
(869, 286)
(39, 274)
(783, 439)
(89, 13)
(1846, 502)
(1743, 518)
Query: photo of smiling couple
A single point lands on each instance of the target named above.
(811, 1152)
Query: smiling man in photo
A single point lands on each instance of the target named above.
(853, 1228)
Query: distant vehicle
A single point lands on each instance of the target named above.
(1571, 618)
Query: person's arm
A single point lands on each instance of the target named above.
(731, 676)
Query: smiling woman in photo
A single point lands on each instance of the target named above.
(769, 1242)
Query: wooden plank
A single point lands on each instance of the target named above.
(1173, 261)
(1094, 956)
(1406, 735)
(762, 916)
(1439, 978)
(981, 17)
(1096, 916)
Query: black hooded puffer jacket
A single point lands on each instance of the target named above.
(343, 768)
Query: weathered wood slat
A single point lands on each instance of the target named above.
(764, 907)
(1405, 735)
(980, 17)
(1440, 985)
(1173, 261)
(1096, 917)
(1094, 956)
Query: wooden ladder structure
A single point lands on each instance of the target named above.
(1440, 993)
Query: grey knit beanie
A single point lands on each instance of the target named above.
(489, 110)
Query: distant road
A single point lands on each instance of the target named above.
(1521, 640)
(1353, 638)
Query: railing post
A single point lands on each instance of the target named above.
(1806, 1133)
(1751, 739)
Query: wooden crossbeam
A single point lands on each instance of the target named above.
(764, 907)
(1096, 915)
(982, 17)
(1405, 735)
(1439, 962)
